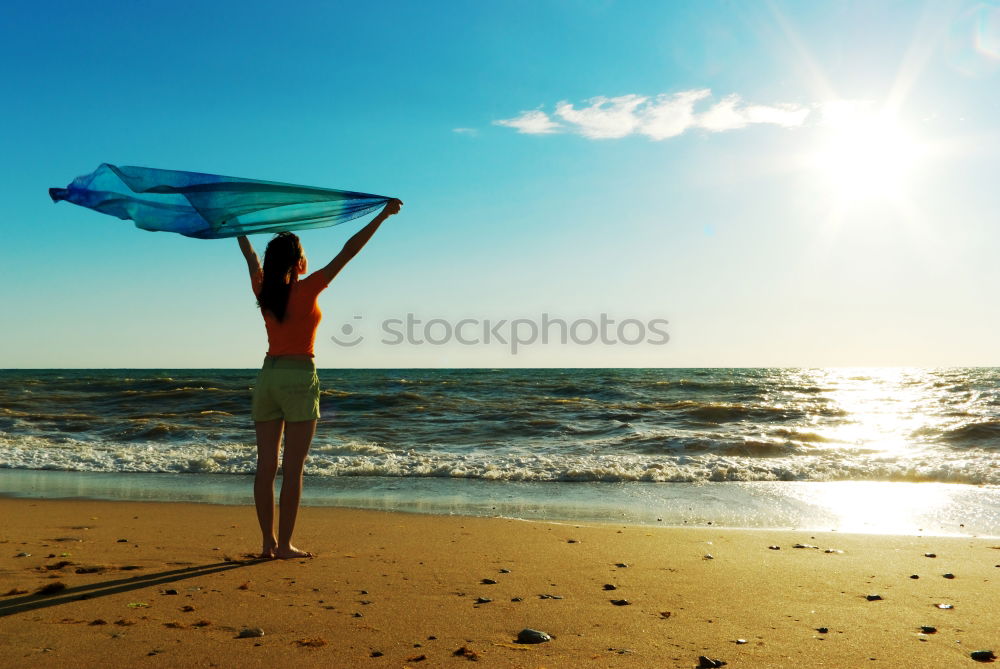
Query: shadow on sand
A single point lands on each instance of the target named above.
(92, 590)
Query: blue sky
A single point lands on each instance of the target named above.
(765, 228)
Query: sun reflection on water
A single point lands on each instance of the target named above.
(891, 415)
(877, 507)
(884, 410)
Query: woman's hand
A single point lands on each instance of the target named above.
(392, 207)
(360, 238)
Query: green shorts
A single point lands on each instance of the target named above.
(287, 389)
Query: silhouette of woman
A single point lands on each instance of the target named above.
(286, 395)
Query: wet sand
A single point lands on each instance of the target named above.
(180, 588)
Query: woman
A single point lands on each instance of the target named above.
(286, 395)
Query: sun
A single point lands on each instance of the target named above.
(865, 155)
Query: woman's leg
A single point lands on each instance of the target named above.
(298, 438)
(268, 441)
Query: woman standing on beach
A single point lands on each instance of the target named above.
(286, 395)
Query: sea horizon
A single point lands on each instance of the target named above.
(740, 447)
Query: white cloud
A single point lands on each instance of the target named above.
(731, 114)
(670, 115)
(723, 116)
(658, 118)
(785, 115)
(605, 118)
(466, 131)
(531, 123)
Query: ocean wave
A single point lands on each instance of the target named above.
(985, 434)
(717, 413)
(799, 435)
(372, 459)
(184, 392)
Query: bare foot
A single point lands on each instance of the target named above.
(291, 552)
(267, 552)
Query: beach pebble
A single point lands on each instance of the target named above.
(171, 591)
(466, 653)
(250, 632)
(823, 630)
(483, 600)
(620, 602)
(928, 629)
(804, 546)
(23, 554)
(572, 541)
(608, 586)
(944, 606)
(833, 550)
(775, 548)
(517, 599)
(123, 541)
(358, 615)
(708, 663)
(88, 570)
(740, 642)
(873, 598)
(505, 571)
(708, 556)
(914, 576)
(949, 575)
(983, 655)
(931, 555)
(488, 581)
(528, 635)
(550, 596)
(51, 588)
(621, 565)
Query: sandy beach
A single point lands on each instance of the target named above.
(162, 584)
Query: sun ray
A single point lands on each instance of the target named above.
(817, 78)
(930, 32)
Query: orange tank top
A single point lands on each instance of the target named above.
(296, 334)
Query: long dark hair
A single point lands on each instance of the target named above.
(281, 261)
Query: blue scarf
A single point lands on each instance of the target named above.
(210, 206)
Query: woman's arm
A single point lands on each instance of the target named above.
(253, 263)
(358, 241)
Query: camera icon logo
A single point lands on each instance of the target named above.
(348, 330)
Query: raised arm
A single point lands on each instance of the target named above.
(253, 263)
(358, 241)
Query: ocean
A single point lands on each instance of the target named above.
(811, 448)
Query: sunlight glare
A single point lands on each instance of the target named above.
(865, 155)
